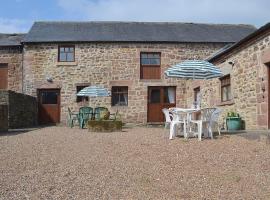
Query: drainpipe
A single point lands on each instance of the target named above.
(22, 65)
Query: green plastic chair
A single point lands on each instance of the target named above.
(98, 110)
(72, 118)
(85, 113)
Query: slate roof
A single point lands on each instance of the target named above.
(11, 39)
(243, 41)
(135, 32)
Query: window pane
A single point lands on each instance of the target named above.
(143, 55)
(62, 57)
(71, 49)
(154, 61)
(157, 55)
(62, 49)
(224, 94)
(122, 99)
(145, 61)
(120, 96)
(169, 95)
(229, 93)
(70, 57)
(155, 96)
(49, 97)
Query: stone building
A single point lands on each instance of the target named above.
(128, 58)
(11, 62)
(245, 87)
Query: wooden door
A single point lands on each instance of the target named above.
(49, 106)
(3, 76)
(159, 98)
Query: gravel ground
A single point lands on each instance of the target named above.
(138, 163)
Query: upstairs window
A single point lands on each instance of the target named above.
(150, 65)
(80, 98)
(226, 88)
(119, 96)
(66, 53)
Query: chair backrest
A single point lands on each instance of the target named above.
(98, 110)
(216, 114)
(86, 112)
(167, 115)
(207, 113)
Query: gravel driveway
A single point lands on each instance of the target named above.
(138, 163)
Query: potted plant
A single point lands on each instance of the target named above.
(233, 121)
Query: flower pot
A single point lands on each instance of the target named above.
(234, 123)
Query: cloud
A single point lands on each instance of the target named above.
(14, 25)
(208, 11)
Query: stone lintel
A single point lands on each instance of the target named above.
(265, 57)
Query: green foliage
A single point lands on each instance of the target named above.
(104, 125)
(232, 114)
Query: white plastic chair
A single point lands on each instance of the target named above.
(214, 120)
(178, 119)
(168, 117)
(205, 121)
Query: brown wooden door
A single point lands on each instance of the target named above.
(49, 106)
(3, 76)
(159, 98)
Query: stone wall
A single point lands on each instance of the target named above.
(107, 64)
(3, 118)
(21, 110)
(248, 82)
(13, 57)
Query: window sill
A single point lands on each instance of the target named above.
(150, 80)
(119, 106)
(67, 63)
(226, 103)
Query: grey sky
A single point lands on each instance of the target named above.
(18, 15)
(254, 12)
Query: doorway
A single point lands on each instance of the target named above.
(159, 97)
(49, 106)
(3, 76)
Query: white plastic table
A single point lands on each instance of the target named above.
(188, 112)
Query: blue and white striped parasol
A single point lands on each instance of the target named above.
(94, 91)
(194, 69)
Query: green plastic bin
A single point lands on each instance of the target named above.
(234, 123)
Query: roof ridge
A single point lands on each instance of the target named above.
(146, 22)
(13, 34)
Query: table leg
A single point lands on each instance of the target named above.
(172, 130)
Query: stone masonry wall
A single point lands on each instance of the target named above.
(21, 110)
(107, 64)
(13, 57)
(248, 84)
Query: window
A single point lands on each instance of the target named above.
(169, 95)
(66, 53)
(197, 97)
(49, 97)
(150, 66)
(80, 99)
(119, 96)
(226, 88)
